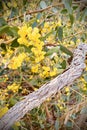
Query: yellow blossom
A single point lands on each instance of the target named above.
(23, 31)
(51, 38)
(17, 123)
(72, 43)
(60, 106)
(46, 68)
(16, 61)
(39, 54)
(14, 87)
(46, 72)
(23, 41)
(78, 41)
(3, 94)
(3, 110)
(35, 68)
(58, 23)
(67, 89)
(54, 72)
(29, 30)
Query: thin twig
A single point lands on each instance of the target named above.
(40, 10)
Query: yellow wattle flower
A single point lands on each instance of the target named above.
(3, 110)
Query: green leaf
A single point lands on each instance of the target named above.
(75, 87)
(65, 50)
(78, 14)
(47, 35)
(71, 18)
(27, 49)
(74, 39)
(85, 78)
(12, 101)
(60, 33)
(13, 31)
(9, 30)
(84, 14)
(3, 46)
(39, 15)
(34, 82)
(83, 37)
(56, 125)
(15, 43)
(84, 110)
(2, 21)
(43, 4)
(53, 50)
(4, 29)
(63, 64)
(75, 7)
(54, 10)
(68, 4)
(14, 12)
(34, 24)
(64, 11)
(69, 124)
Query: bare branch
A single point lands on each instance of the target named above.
(47, 90)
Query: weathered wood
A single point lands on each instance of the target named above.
(47, 90)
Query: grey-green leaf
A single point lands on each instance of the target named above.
(60, 33)
(65, 50)
(43, 4)
(68, 4)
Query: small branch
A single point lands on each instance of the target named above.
(40, 10)
(8, 41)
(74, 34)
(49, 89)
(35, 11)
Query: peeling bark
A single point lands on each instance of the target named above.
(47, 90)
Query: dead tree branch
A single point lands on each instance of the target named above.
(47, 90)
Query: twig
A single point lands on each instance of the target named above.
(74, 35)
(8, 41)
(35, 11)
(40, 10)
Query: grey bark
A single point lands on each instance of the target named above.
(36, 98)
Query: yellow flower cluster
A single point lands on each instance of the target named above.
(23, 33)
(14, 87)
(61, 104)
(31, 36)
(16, 61)
(67, 90)
(3, 94)
(35, 68)
(3, 110)
(47, 72)
(48, 28)
(83, 84)
(7, 54)
(38, 53)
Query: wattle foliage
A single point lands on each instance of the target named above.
(34, 48)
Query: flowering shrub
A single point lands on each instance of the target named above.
(34, 52)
